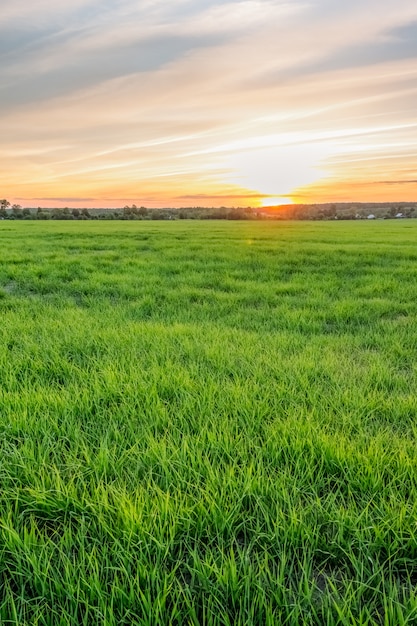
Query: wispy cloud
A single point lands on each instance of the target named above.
(72, 199)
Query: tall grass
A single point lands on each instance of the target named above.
(209, 423)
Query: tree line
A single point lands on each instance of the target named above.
(16, 212)
(334, 211)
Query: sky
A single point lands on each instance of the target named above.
(105, 103)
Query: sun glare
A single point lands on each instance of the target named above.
(277, 171)
(274, 200)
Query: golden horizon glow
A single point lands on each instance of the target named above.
(233, 103)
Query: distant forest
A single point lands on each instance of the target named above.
(330, 211)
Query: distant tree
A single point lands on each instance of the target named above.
(331, 211)
(327, 212)
(347, 215)
(17, 211)
(301, 212)
(220, 214)
(127, 212)
(236, 214)
(41, 214)
(75, 213)
(4, 204)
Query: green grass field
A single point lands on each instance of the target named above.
(208, 423)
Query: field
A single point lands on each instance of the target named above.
(208, 423)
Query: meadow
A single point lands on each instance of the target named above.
(208, 423)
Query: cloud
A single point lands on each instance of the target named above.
(394, 182)
(392, 44)
(63, 199)
(99, 42)
(227, 196)
(50, 79)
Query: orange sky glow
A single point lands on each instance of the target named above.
(209, 103)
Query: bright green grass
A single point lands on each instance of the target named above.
(208, 423)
